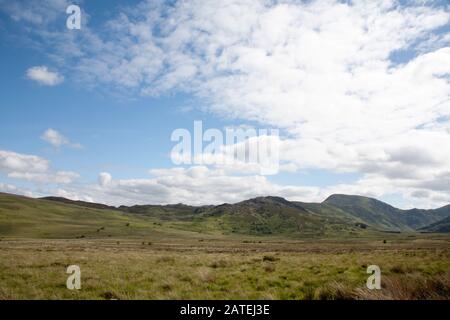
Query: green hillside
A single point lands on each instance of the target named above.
(337, 216)
(63, 218)
(383, 216)
(274, 215)
(259, 216)
(440, 226)
(38, 218)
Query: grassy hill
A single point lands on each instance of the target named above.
(258, 216)
(40, 218)
(275, 215)
(337, 216)
(80, 203)
(440, 226)
(383, 216)
(55, 217)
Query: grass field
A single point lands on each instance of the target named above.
(193, 267)
(170, 254)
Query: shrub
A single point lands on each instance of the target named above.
(269, 258)
(108, 295)
(398, 269)
(166, 259)
(166, 287)
(219, 264)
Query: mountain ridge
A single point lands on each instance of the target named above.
(339, 215)
(442, 226)
(355, 208)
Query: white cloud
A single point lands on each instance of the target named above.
(36, 13)
(16, 162)
(325, 71)
(43, 76)
(32, 168)
(197, 185)
(57, 139)
(104, 179)
(200, 185)
(8, 188)
(71, 195)
(58, 177)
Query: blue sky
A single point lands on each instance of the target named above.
(347, 91)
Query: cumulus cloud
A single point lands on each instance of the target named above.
(16, 162)
(326, 72)
(36, 13)
(201, 185)
(58, 177)
(8, 188)
(43, 76)
(57, 139)
(197, 185)
(104, 179)
(32, 168)
(71, 195)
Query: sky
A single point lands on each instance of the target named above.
(358, 90)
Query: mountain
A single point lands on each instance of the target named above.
(338, 215)
(258, 216)
(417, 218)
(275, 215)
(57, 218)
(383, 216)
(442, 226)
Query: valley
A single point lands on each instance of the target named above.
(262, 248)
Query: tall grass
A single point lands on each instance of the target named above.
(189, 269)
(397, 287)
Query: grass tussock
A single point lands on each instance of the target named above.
(270, 267)
(205, 275)
(269, 258)
(396, 287)
(219, 264)
(188, 269)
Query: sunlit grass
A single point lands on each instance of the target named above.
(217, 269)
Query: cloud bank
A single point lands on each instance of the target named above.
(32, 168)
(355, 86)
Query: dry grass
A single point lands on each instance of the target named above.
(216, 269)
(403, 287)
(411, 287)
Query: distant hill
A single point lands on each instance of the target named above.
(258, 216)
(384, 216)
(273, 215)
(80, 203)
(442, 226)
(57, 218)
(338, 215)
